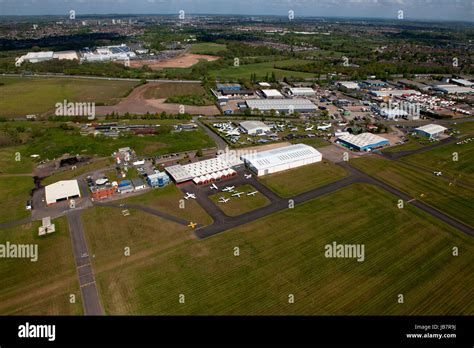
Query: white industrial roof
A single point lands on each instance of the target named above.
(69, 55)
(432, 128)
(363, 139)
(272, 93)
(38, 55)
(349, 84)
(282, 155)
(61, 190)
(463, 82)
(202, 168)
(453, 89)
(249, 126)
(302, 90)
(281, 104)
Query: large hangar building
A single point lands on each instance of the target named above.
(62, 191)
(363, 142)
(283, 158)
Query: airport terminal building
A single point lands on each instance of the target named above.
(283, 158)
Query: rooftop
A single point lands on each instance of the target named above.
(282, 155)
(363, 139)
(432, 128)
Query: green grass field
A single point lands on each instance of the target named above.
(261, 70)
(23, 96)
(9, 163)
(14, 192)
(238, 206)
(54, 142)
(406, 252)
(167, 90)
(441, 159)
(42, 287)
(209, 48)
(167, 199)
(295, 181)
(453, 200)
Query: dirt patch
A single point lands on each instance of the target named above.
(185, 60)
(139, 103)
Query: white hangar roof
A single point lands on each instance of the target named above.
(363, 139)
(281, 156)
(62, 190)
(272, 93)
(432, 128)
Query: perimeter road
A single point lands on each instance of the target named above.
(90, 295)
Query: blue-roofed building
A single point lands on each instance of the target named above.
(228, 87)
(158, 179)
(363, 142)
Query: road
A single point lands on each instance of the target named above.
(101, 78)
(90, 295)
(220, 143)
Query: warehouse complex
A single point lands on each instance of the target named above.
(431, 130)
(282, 105)
(283, 158)
(363, 142)
(62, 191)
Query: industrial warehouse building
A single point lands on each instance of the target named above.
(272, 93)
(431, 130)
(283, 158)
(62, 191)
(254, 127)
(202, 172)
(302, 92)
(281, 105)
(363, 142)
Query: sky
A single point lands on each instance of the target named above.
(457, 10)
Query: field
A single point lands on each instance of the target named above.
(152, 98)
(208, 48)
(261, 70)
(23, 96)
(185, 60)
(8, 163)
(167, 90)
(167, 199)
(438, 192)
(238, 206)
(54, 142)
(14, 192)
(302, 179)
(406, 252)
(25, 289)
(441, 159)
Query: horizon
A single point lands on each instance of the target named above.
(413, 10)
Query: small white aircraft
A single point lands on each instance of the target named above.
(214, 187)
(237, 194)
(224, 200)
(228, 189)
(248, 176)
(233, 132)
(438, 173)
(189, 195)
(252, 193)
(324, 126)
(294, 129)
(309, 128)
